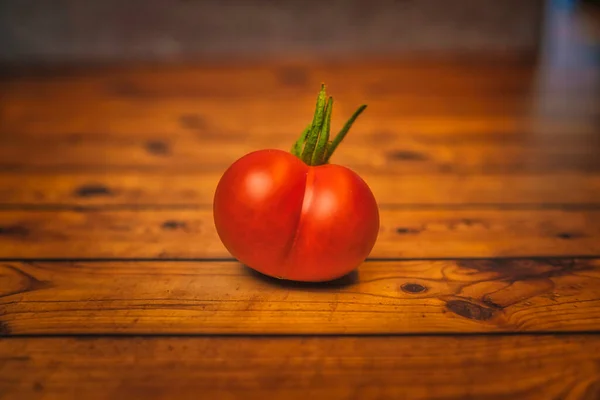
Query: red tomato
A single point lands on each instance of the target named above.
(288, 219)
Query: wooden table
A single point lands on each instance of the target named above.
(484, 282)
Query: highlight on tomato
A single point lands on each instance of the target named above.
(292, 214)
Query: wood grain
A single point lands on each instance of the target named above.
(489, 183)
(277, 99)
(383, 297)
(529, 367)
(137, 188)
(233, 79)
(173, 233)
(220, 80)
(420, 119)
(391, 150)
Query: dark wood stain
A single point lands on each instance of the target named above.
(406, 155)
(413, 288)
(28, 282)
(513, 270)
(470, 310)
(16, 358)
(4, 329)
(569, 235)
(490, 303)
(407, 231)
(157, 147)
(37, 386)
(471, 222)
(172, 225)
(193, 122)
(14, 230)
(93, 190)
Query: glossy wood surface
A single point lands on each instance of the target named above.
(530, 367)
(222, 297)
(484, 282)
(404, 233)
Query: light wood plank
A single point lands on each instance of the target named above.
(389, 297)
(171, 233)
(530, 367)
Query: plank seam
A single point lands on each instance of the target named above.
(370, 259)
(382, 206)
(283, 336)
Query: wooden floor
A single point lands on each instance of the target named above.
(484, 282)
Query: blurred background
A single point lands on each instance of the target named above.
(197, 83)
(114, 30)
(65, 31)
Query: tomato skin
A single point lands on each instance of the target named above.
(256, 208)
(292, 221)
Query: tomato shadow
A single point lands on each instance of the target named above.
(342, 282)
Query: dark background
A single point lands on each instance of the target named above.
(116, 30)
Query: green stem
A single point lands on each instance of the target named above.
(313, 136)
(313, 147)
(342, 134)
(319, 154)
(299, 145)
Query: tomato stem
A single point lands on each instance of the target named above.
(342, 134)
(314, 147)
(321, 149)
(313, 136)
(297, 148)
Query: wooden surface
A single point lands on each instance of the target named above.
(166, 233)
(222, 297)
(531, 367)
(484, 282)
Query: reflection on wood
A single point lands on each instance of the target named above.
(529, 367)
(172, 233)
(392, 152)
(196, 189)
(517, 295)
(488, 178)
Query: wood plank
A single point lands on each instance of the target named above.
(382, 297)
(420, 119)
(274, 98)
(232, 79)
(405, 233)
(417, 89)
(433, 114)
(379, 151)
(529, 367)
(280, 77)
(136, 188)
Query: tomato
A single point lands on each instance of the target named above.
(291, 217)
